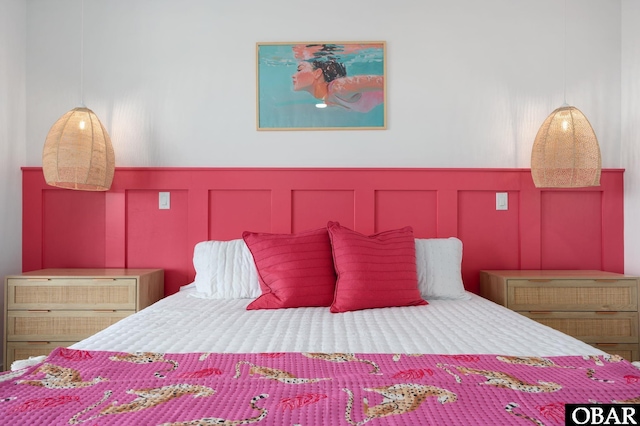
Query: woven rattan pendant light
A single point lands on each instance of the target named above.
(565, 152)
(77, 151)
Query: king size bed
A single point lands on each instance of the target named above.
(324, 327)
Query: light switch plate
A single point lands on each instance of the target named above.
(164, 200)
(502, 201)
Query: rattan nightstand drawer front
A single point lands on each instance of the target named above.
(70, 293)
(59, 325)
(48, 308)
(573, 295)
(592, 327)
(597, 307)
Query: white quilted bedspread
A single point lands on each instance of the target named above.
(182, 323)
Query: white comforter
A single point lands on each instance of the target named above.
(183, 323)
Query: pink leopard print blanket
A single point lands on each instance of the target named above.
(113, 388)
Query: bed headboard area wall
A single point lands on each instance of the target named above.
(124, 227)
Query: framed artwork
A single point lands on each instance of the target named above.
(321, 86)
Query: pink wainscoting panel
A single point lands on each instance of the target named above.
(397, 208)
(123, 227)
(233, 211)
(73, 229)
(312, 209)
(571, 230)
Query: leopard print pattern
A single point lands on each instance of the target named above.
(595, 358)
(273, 374)
(448, 370)
(145, 398)
(530, 361)
(510, 409)
(225, 422)
(607, 357)
(397, 399)
(342, 357)
(507, 381)
(396, 357)
(57, 377)
(612, 358)
(591, 375)
(147, 358)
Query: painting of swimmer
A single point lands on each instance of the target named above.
(321, 86)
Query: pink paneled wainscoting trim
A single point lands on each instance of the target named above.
(123, 227)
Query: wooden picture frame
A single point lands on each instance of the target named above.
(321, 86)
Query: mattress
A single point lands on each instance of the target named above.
(182, 323)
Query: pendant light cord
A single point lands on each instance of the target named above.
(82, 53)
(564, 54)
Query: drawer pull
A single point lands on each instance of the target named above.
(539, 281)
(38, 310)
(606, 312)
(607, 344)
(31, 280)
(38, 343)
(104, 310)
(606, 281)
(540, 312)
(104, 279)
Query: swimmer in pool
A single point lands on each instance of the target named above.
(327, 79)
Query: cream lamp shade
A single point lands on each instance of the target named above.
(78, 153)
(565, 152)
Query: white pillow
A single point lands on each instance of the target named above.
(439, 265)
(225, 270)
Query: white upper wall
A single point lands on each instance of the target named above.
(631, 132)
(469, 82)
(13, 42)
(13, 47)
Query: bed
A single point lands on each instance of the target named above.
(394, 339)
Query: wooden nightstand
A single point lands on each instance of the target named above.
(599, 308)
(58, 307)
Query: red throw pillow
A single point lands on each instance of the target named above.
(374, 271)
(294, 270)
